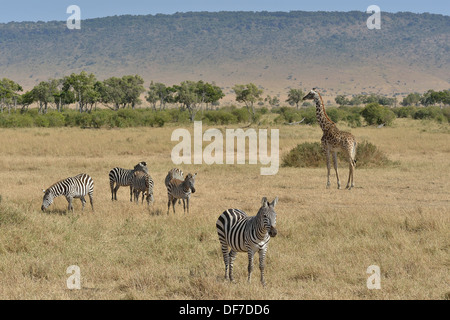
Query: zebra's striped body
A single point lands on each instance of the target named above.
(174, 173)
(242, 233)
(180, 189)
(73, 187)
(122, 177)
(142, 182)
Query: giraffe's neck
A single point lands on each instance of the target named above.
(322, 117)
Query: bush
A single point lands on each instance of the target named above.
(55, 119)
(311, 155)
(375, 114)
(405, 112)
(432, 112)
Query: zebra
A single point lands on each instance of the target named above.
(174, 173)
(180, 189)
(246, 234)
(122, 177)
(177, 174)
(142, 182)
(73, 187)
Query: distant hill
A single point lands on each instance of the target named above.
(334, 51)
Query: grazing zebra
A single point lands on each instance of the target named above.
(174, 173)
(73, 187)
(180, 189)
(142, 182)
(246, 234)
(122, 177)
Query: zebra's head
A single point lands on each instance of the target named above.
(269, 215)
(141, 166)
(47, 200)
(190, 180)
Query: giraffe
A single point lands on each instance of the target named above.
(334, 140)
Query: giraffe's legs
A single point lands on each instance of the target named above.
(351, 170)
(335, 164)
(327, 154)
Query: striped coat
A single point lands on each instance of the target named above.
(241, 233)
(180, 189)
(142, 182)
(174, 173)
(122, 177)
(73, 187)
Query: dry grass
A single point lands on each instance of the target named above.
(396, 217)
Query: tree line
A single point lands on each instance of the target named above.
(86, 92)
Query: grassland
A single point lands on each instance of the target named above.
(397, 217)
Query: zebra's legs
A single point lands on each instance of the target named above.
(250, 264)
(91, 200)
(70, 207)
(262, 258)
(131, 194)
(232, 255)
(115, 191)
(111, 184)
(83, 202)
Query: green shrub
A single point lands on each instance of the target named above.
(431, 112)
(305, 155)
(311, 155)
(405, 112)
(55, 119)
(41, 121)
(375, 114)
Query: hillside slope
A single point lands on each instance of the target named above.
(334, 51)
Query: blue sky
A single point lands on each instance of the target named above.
(46, 10)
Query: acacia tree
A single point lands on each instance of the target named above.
(186, 94)
(248, 94)
(159, 92)
(295, 96)
(9, 93)
(83, 87)
(133, 87)
(43, 94)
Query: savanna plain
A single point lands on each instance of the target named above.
(397, 217)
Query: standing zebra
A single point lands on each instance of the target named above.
(73, 187)
(180, 189)
(142, 182)
(122, 177)
(246, 234)
(174, 173)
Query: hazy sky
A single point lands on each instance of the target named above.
(46, 10)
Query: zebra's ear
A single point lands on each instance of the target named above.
(264, 202)
(43, 190)
(274, 202)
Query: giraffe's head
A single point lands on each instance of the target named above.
(311, 95)
(269, 215)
